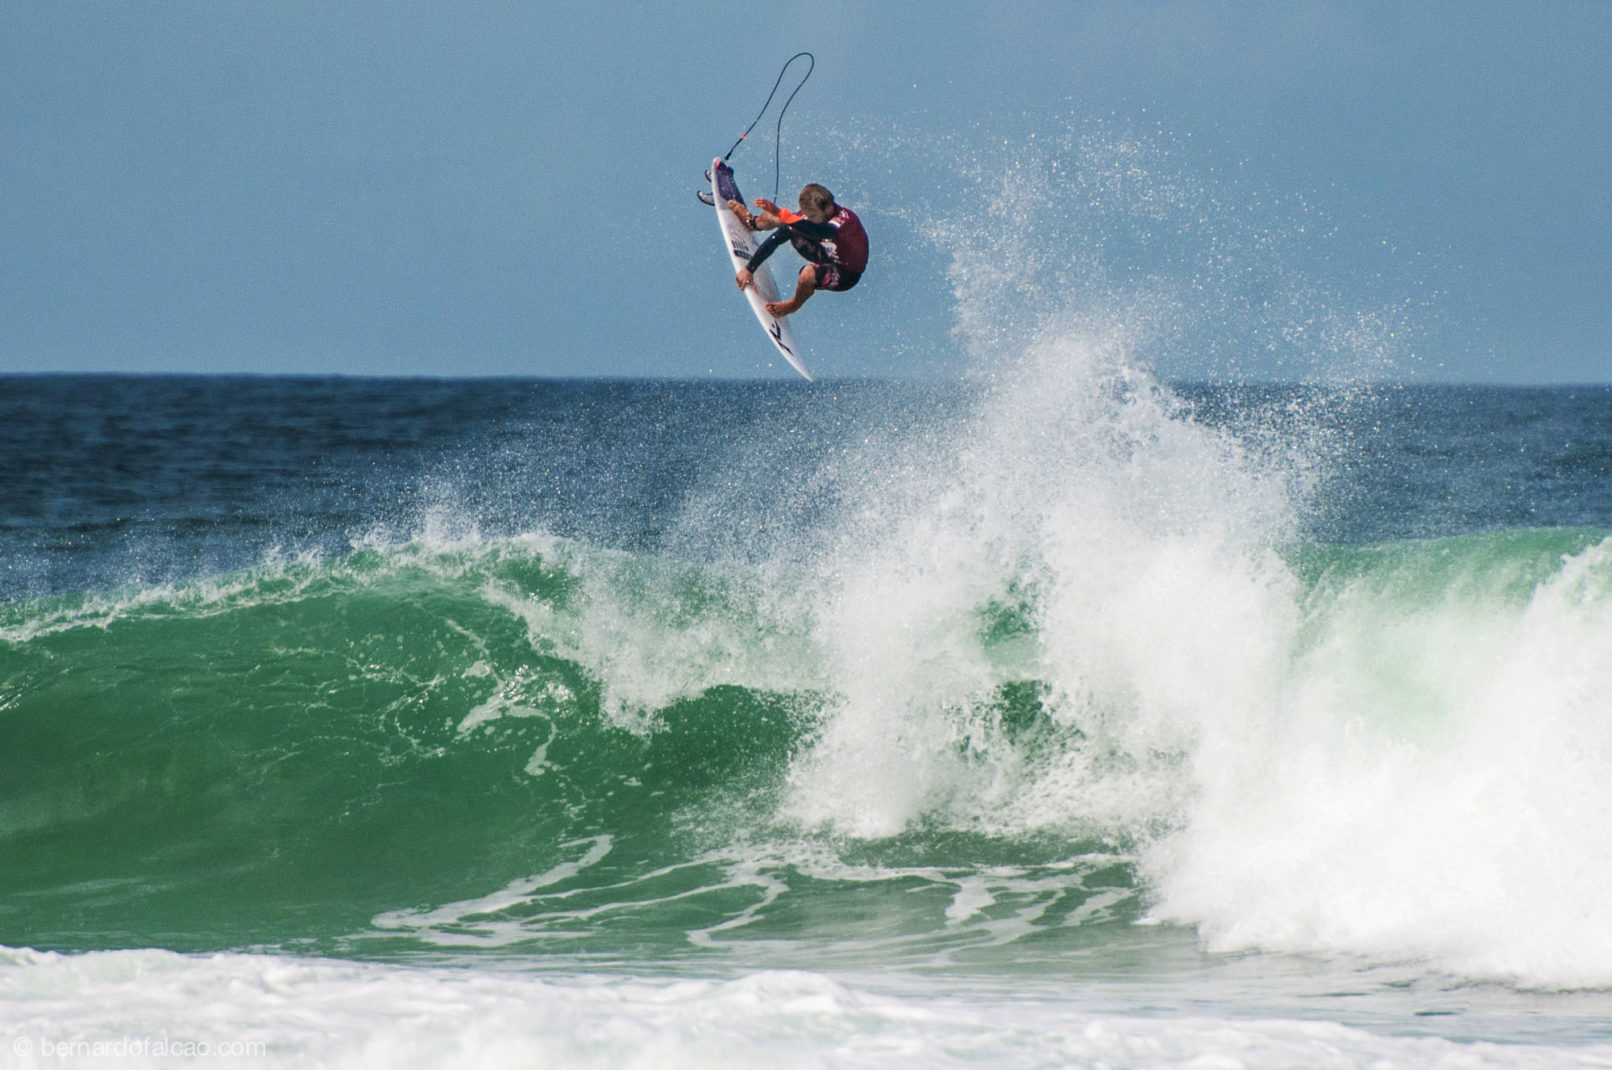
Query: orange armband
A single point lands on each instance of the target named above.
(784, 215)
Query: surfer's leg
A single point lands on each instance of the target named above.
(804, 288)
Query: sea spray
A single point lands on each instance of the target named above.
(1403, 764)
(1133, 546)
(1135, 550)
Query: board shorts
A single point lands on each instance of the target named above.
(834, 277)
(830, 276)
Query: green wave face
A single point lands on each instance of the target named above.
(297, 749)
(533, 747)
(334, 754)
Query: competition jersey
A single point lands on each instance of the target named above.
(840, 241)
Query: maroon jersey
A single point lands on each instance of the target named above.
(841, 241)
(849, 246)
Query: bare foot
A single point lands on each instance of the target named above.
(779, 309)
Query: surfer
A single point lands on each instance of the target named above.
(828, 235)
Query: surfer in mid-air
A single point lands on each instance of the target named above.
(828, 235)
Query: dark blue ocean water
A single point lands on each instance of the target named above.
(111, 480)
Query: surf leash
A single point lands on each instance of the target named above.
(777, 145)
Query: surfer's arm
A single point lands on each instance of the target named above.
(814, 231)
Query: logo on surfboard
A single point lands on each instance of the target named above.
(777, 333)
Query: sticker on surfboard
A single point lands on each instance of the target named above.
(741, 245)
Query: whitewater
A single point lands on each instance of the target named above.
(1075, 714)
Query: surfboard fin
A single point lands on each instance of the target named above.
(705, 197)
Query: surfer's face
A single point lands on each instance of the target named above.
(815, 214)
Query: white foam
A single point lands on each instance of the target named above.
(652, 631)
(133, 1008)
(1477, 842)
(512, 894)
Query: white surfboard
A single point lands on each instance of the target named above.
(741, 245)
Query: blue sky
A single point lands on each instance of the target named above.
(506, 188)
